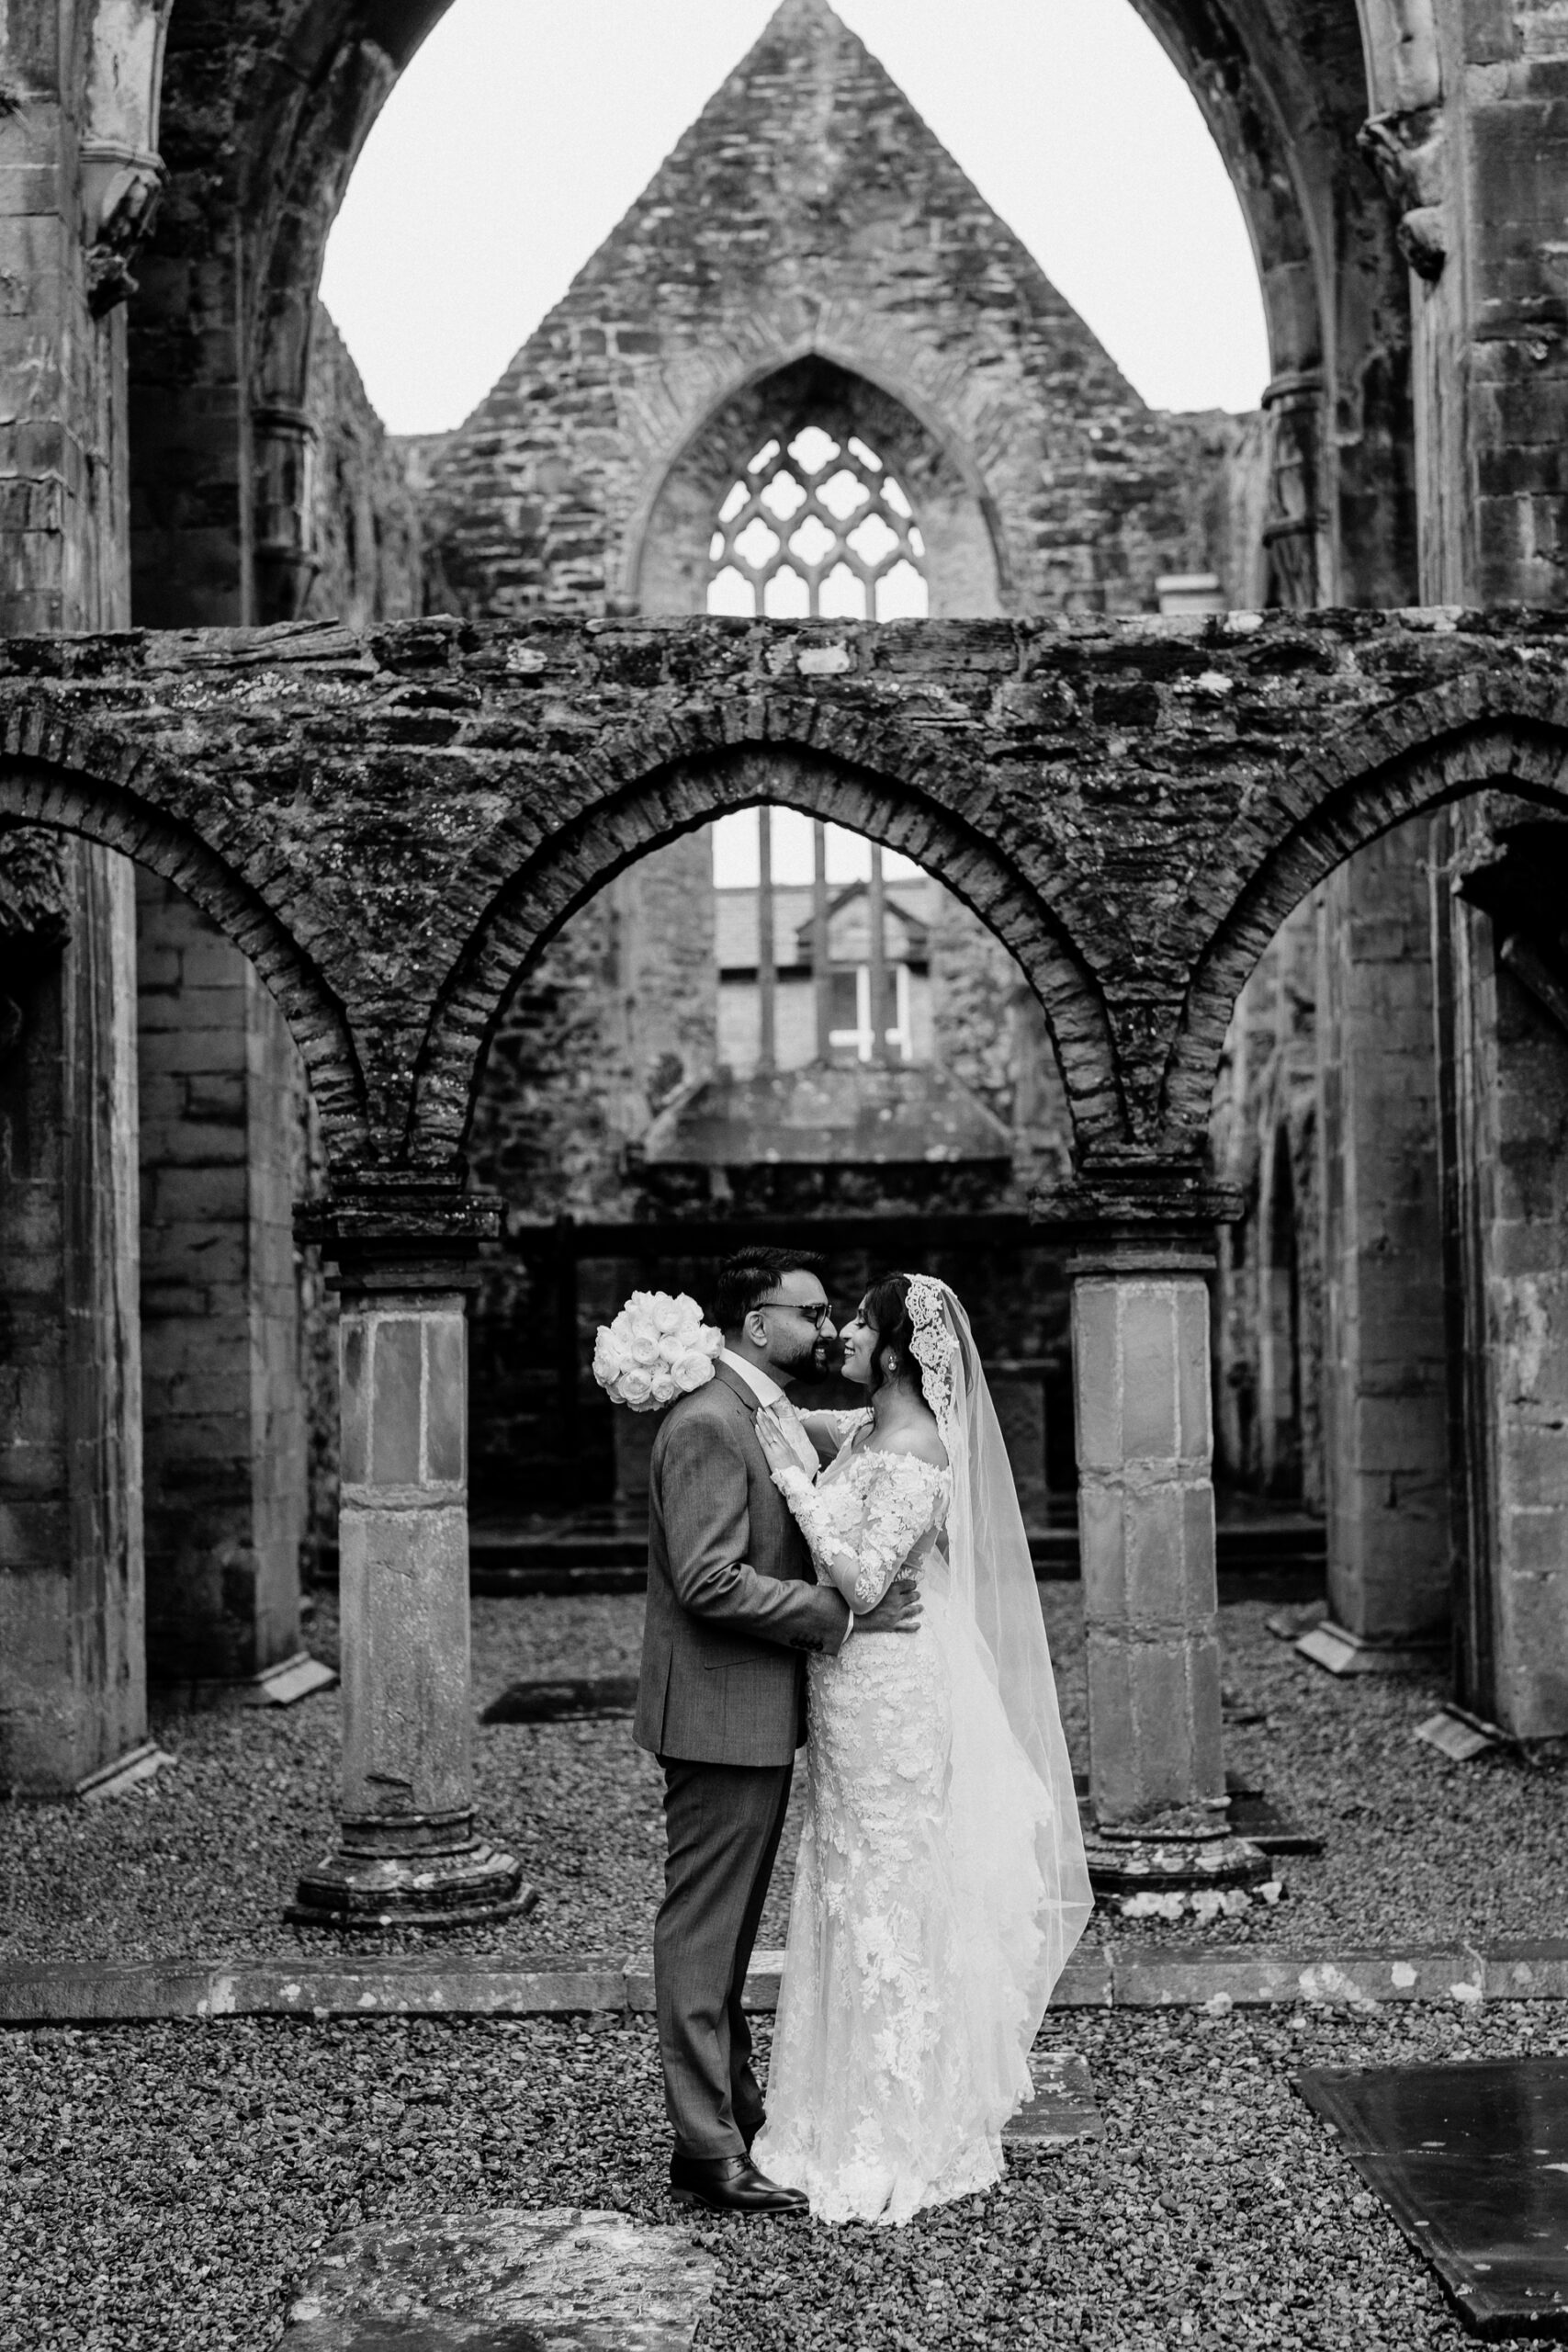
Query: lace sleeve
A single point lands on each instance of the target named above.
(830, 1432)
(862, 1531)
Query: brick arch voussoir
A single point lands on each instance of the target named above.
(1469, 736)
(804, 758)
(74, 779)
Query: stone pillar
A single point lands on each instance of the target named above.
(1147, 1538)
(409, 1852)
(1504, 1058)
(76, 137)
(222, 1092)
(72, 1690)
(1385, 1435)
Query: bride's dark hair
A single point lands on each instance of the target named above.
(886, 1308)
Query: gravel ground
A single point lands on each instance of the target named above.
(201, 1860)
(169, 2184)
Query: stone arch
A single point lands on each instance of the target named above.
(693, 468)
(1474, 735)
(532, 883)
(66, 779)
(1285, 93)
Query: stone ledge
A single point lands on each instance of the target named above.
(1111, 1976)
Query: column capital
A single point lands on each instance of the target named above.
(401, 1229)
(1138, 1215)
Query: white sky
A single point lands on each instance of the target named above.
(524, 129)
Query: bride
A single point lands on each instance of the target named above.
(940, 1883)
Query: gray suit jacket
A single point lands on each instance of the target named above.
(732, 1601)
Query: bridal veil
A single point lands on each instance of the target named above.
(1013, 1811)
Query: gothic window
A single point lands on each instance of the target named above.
(817, 530)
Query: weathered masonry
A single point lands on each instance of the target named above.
(392, 827)
(1317, 853)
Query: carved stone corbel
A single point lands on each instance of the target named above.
(122, 175)
(1407, 151)
(120, 188)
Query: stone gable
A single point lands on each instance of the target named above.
(810, 220)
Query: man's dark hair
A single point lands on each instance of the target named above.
(744, 1280)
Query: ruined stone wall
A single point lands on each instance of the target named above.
(364, 535)
(809, 213)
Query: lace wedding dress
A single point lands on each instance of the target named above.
(939, 1883)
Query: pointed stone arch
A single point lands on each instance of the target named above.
(77, 780)
(532, 884)
(1479, 732)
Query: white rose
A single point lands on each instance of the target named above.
(636, 1386)
(667, 1314)
(609, 1358)
(692, 1370)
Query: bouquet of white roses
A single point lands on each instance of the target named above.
(657, 1348)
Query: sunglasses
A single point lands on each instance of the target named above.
(819, 1310)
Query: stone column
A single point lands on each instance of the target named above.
(1146, 1530)
(224, 1425)
(409, 1852)
(72, 1689)
(1385, 1434)
(76, 134)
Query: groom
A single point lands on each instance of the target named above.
(733, 1606)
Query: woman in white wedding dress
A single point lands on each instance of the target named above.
(940, 1883)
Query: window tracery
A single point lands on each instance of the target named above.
(818, 529)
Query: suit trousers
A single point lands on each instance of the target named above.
(723, 1823)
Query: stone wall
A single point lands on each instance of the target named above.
(366, 533)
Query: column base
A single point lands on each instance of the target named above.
(460, 1883)
(1159, 1859)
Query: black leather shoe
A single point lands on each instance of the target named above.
(730, 2185)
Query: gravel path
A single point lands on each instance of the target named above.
(168, 2184)
(200, 1861)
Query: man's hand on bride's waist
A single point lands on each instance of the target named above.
(897, 1611)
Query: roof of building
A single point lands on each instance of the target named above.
(909, 914)
(909, 1115)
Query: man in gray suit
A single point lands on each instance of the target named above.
(733, 1606)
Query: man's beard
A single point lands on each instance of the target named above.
(819, 1360)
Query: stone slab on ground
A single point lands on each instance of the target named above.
(1215, 1978)
(1471, 2160)
(561, 2279)
(1063, 2107)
